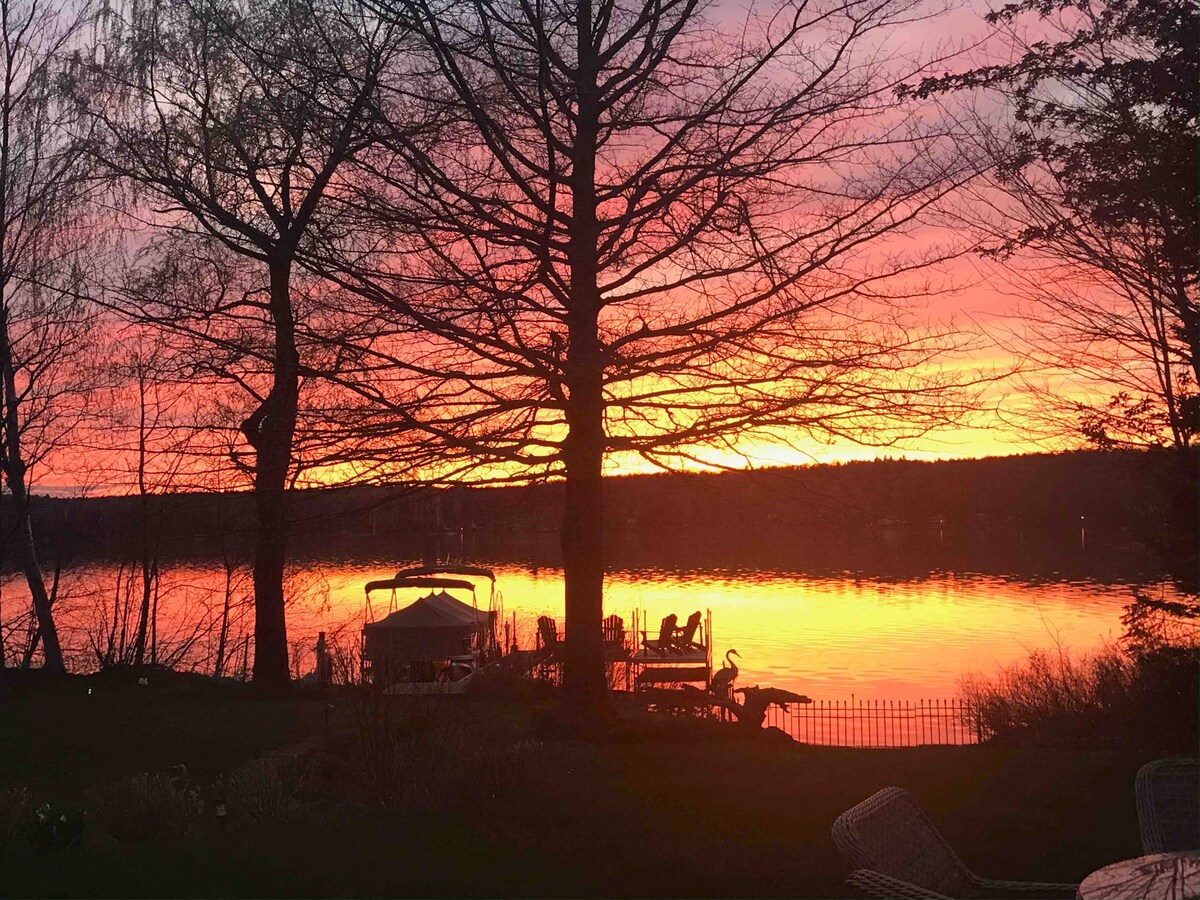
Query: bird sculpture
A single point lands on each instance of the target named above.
(722, 681)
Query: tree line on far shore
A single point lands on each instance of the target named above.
(1124, 502)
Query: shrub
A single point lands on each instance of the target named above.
(54, 830)
(493, 771)
(497, 684)
(264, 790)
(144, 807)
(460, 767)
(422, 753)
(1114, 697)
(15, 808)
(391, 748)
(1167, 685)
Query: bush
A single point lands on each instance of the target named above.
(15, 809)
(1167, 684)
(391, 747)
(457, 767)
(423, 754)
(495, 771)
(1115, 697)
(497, 684)
(55, 830)
(144, 807)
(265, 790)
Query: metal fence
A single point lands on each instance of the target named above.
(880, 723)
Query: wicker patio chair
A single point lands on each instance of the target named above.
(1168, 805)
(867, 883)
(890, 834)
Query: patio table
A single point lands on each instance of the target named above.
(1160, 876)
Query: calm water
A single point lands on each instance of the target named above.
(830, 636)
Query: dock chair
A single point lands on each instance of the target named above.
(889, 833)
(614, 630)
(548, 631)
(1168, 805)
(685, 637)
(866, 883)
(666, 635)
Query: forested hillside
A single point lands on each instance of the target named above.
(1141, 500)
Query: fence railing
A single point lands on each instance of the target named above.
(880, 723)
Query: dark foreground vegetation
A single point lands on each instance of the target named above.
(360, 795)
(1145, 689)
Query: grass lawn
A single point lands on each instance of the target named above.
(669, 808)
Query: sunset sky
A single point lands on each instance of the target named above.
(972, 297)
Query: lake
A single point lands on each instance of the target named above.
(831, 635)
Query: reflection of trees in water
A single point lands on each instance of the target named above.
(1153, 623)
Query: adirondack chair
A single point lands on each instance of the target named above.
(685, 637)
(614, 630)
(666, 636)
(548, 631)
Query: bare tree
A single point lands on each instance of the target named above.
(147, 435)
(233, 119)
(642, 229)
(43, 328)
(1091, 207)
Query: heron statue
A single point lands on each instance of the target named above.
(723, 680)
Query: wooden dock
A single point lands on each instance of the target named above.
(652, 666)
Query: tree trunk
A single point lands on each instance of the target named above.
(26, 553)
(143, 621)
(270, 627)
(14, 473)
(583, 550)
(223, 633)
(270, 431)
(583, 448)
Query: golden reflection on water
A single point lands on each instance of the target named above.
(831, 638)
(828, 637)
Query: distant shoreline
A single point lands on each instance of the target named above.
(1131, 514)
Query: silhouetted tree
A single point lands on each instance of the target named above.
(43, 326)
(232, 119)
(640, 230)
(1093, 204)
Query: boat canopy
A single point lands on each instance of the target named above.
(432, 577)
(438, 610)
(418, 571)
(398, 582)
